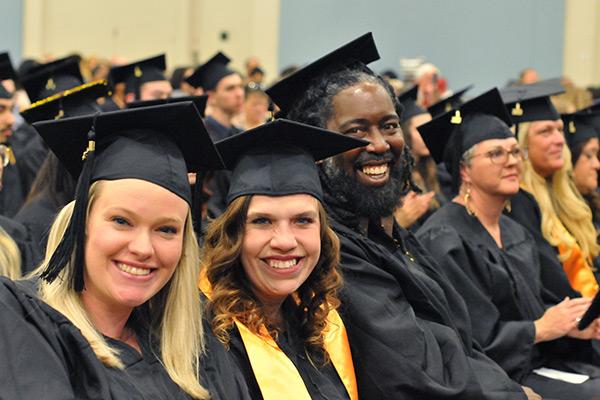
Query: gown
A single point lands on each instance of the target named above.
(502, 289)
(406, 342)
(44, 356)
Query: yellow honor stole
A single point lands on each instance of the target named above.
(276, 374)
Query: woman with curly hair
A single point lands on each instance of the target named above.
(549, 204)
(270, 266)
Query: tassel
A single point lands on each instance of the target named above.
(71, 246)
(198, 199)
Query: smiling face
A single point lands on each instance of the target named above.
(281, 244)
(545, 143)
(368, 177)
(134, 242)
(493, 178)
(7, 119)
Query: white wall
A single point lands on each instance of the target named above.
(582, 41)
(187, 30)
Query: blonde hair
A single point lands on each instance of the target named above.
(177, 304)
(10, 256)
(563, 209)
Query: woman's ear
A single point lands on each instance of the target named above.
(464, 173)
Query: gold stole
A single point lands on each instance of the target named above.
(276, 374)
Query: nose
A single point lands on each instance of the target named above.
(595, 162)
(377, 142)
(559, 137)
(284, 239)
(141, 244)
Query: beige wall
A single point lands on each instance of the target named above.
(187, 30)
(581, 60)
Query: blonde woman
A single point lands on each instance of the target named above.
(113, 311)
(10, 256)
(549, 204)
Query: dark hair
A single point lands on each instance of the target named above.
(177, 77)
(54, 182)
(576, 151)
(315, 106)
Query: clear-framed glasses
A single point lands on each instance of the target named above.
(500, 155)
(4, 154)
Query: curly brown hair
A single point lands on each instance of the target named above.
(233, 299)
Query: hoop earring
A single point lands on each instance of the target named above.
(466, 199)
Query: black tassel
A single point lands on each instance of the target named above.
(198, 199)
(71, 246)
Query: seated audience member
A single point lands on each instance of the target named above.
(270, 266)
(408, 328)
(416, 207)
(548, 203)
(582, 137)
(492, 260)
(144, 80)
(113, 311)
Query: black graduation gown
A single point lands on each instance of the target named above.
(404, 342)
(37, 216)
(44, 356)
(555, 284)
(11, 195)
(322, 383)
(30, 153)
(28, 248)
(502, 290)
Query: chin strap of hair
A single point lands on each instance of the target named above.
(71, 246)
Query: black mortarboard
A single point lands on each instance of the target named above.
(579, 128)
(158, 144)
(449, 135)
(285, 92)
(44, 80)
(408, 99)
(208, 75)
(80, 100)
(278, 158)
(449, 103)
(6, 72)
(528, 103)
(199, 102)
(134, 75)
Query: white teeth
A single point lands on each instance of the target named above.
(375, 169)
(133, 270)
(280, 264)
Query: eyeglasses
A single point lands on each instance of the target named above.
(500, 155)
(4, 155)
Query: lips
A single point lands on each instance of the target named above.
(283, 264)
(136, 271)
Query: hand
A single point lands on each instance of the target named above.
(561, 319)
(591, 332)
(531, 395)
(412, 208)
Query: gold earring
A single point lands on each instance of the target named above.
(508, 206)
(467, 198)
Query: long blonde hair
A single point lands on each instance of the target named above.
(178, 305)
(561, 204)
(10, 256)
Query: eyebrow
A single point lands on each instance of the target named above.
(161, 220)
(309, 213)
(366, 121)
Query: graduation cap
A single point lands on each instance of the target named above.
(278, 158)
(531, 102)
(199, 102)
(208, 75)
(408, 99)
(579, 128)
(285, 92)
(6, 72)
(44, 80)
(449, 103)
(158, 144)
(80, 100)
(449, 135)
(134, 75)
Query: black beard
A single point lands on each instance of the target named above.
(364, 201)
